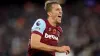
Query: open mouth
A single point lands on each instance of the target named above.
(59, 16)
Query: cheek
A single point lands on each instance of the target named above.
(55, 13)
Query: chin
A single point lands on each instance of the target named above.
(59, 23)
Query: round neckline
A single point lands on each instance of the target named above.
(50, 24)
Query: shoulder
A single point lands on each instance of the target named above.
(40, 21)
(39, 26)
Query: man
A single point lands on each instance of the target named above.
(45, 33)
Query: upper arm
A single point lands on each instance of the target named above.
(37, 30)
(35, 38)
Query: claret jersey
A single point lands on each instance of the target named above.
(49, 35)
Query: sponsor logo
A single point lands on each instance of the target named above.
(51, 36)
(38, 23)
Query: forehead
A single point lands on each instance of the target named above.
(56, 6)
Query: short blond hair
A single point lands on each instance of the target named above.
(48, 5)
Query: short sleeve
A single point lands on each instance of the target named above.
(38, 27)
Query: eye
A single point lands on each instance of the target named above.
(57, 9)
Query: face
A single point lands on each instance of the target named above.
(56, 13)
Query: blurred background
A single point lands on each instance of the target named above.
(80, 24)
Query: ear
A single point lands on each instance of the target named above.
(49, 13)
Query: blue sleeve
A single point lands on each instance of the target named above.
(39, 26)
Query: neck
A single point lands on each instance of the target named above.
(51, 21)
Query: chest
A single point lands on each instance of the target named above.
(51, 36)
(52, 33)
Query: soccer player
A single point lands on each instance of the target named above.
(46, 33)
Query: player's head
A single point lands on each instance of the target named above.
(54, 10)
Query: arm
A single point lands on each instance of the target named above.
(36, 44)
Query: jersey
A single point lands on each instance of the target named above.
(49, 35)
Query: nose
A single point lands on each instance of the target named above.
(60, 11)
